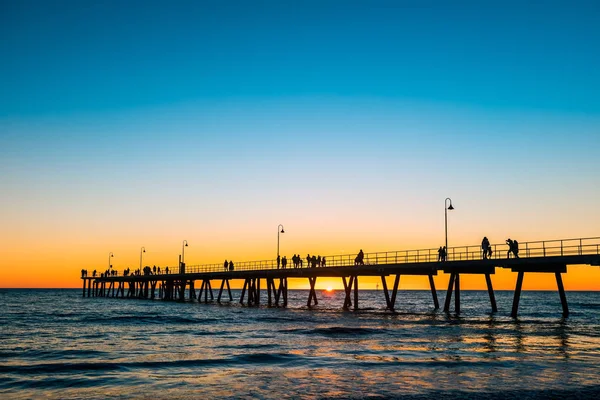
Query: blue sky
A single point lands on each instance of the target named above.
(123, 119)
(74, 56)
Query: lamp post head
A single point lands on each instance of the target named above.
(282, 231)
(144, 250)
(186, 245)
(450, 207)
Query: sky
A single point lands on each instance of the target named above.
(145, 123)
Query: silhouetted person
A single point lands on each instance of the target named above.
(323, 262)
(490, 252)
(166, 270)
(299, 262)
(485, 245)
(94, 273)
(278, 261)
(308, 261)
(226, 265)
(444, 253)
(284, 262)
(231, 265)
(82, 273)
(516, 248)
(313, 261)
(154, 269)
(511, 245)
(318, 261)
(440, 254)
(360, 258)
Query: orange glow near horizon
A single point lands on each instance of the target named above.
(52, 258)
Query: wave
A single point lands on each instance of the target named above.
(337, 331)
(101, 367)
(152, 319)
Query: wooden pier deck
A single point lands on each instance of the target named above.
(534, 257)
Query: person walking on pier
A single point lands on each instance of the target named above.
(440, 254)
(226, 265)
(485, 245)
(513, 247)
(284, 262)
(308, 261)
(318, 261)
(323, 262)
(278, 261)
(231, 265)
(167, 270)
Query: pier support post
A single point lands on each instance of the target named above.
(348, 290)
(385, 292)
(257, 299)
(192, 293)
(152, 289)
(251, 291)
(83, 295)
(517, 297)
(312, 294)
(561, 292)
(394, 292)
(355, 292)
(269, 294)
(449, 292)
(202, 287)
(220, 291)
(207, 291)
(229, 290)
(488, 280)
(436, 304)
(457, 294)
(244, 290)
(276, 293)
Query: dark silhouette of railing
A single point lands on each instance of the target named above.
(543, 248)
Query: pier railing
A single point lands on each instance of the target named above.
(545, 248)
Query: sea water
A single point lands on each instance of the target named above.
(56, 344)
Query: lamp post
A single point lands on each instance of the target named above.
(142, 251)
(278, 232)
(183, 246)
(109, 256)
(446, 208)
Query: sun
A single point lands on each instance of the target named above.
(329, 289)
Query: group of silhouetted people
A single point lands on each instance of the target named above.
(314, 261)
(442, 253)
(228, 265)
(311, 261)
(486, 249)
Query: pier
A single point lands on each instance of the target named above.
(551, 257)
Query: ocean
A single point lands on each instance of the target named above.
(56, 344)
